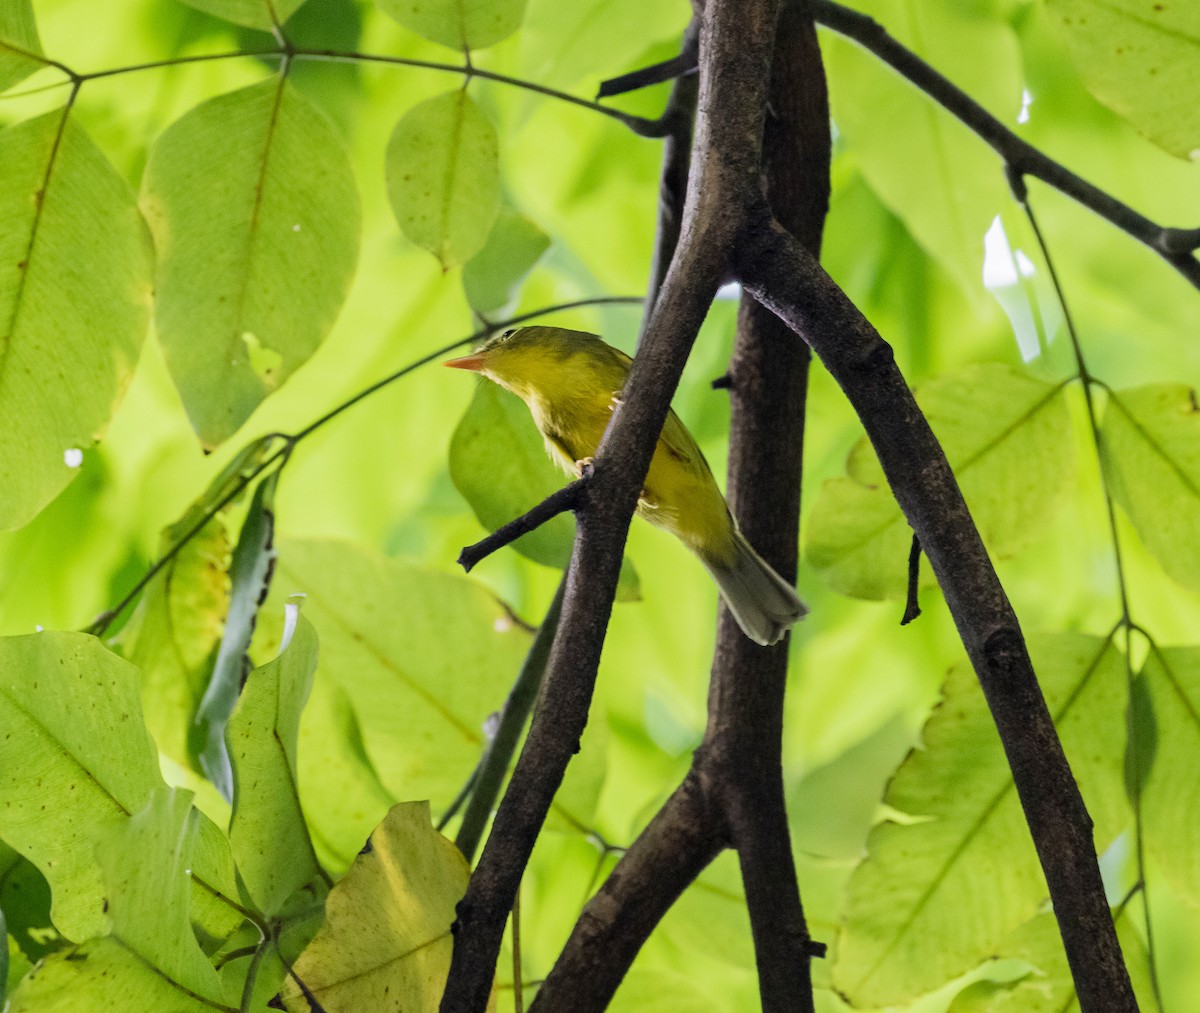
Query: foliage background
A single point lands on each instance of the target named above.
(914, 194)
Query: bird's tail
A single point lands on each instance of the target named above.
(764, 604)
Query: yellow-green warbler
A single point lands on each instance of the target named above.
(571, 381)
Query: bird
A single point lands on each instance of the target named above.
(571, 381)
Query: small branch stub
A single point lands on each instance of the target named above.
(569, 497)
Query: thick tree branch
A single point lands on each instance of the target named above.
(733, 794)
(782, 275)
(686, 834)
(1176, 246)
(737, 41)
(768, 399)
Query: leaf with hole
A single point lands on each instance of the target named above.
(252, 201)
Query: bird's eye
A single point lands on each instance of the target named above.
(507, 334)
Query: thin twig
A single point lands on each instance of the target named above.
(569, 497)
(912, 606)
(1176, 246)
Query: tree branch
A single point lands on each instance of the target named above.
(782, 275)
(680, 113)
(768, 401)
(569, 497)
(733, 793)
(683, 838)
(737, 42)
(1176, 246)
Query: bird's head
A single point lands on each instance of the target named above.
(529, 361)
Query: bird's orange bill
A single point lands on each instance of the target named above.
(466, 362)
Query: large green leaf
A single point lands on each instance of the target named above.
(459, 24)
(386, 939)
(75, 266)
(19, 43)
(1141, 58)
(1008, 437)
(264, 15)
(1047, 987)
(71, 743)
(78, 761)
(424, 657)
(1151, 445)
(151, 961)
(1171, 798)
(944, 183)
(267, 833)
(500, 465)
(443, 176)
(253, 205)
(342, 797)
(932, 898)
(147, 865)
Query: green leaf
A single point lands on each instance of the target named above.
(1008, 438)
(386, 939)
(74, 746)
(249, 578)
(71, 743)
(267, 833)
(147, 867)
(492, 277)
(102, 976)
(443, 176)
(265, 15)
(944, 183)
(459, 24)
(424, 657)
(563, 42)
(499, 463)
(342, 797)
(75, 266)
(1151, 445)
(19, 43)
(252, 201)
(1170, 799)
(932, 898)
(1046, 985)
(1141, 58)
